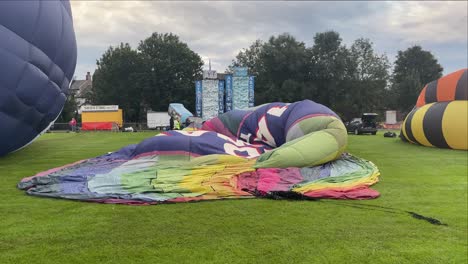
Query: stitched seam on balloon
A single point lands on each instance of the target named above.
(286, 129)
(31, 44)
(21, 77)
(29, 62)
(35, 23)
(24, 67)
(242, 123)
(306, 117)
(16, 118)
(60, 47)
(43, 114)
(29, 106)
(63, 5)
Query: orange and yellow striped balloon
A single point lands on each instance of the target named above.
(440, 118)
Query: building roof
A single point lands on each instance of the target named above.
(78, 87)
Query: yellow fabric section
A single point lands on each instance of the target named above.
(111, 116)
(455, 125)
(403, 129)
(417, 125)
(210, 175)
(352, 180)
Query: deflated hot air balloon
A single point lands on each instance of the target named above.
(37, 62)
(274, 150)
(440, 118)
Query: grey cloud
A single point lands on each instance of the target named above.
(218, 30)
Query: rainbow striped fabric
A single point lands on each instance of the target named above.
(232, 157)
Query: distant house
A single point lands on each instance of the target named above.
(79, 88)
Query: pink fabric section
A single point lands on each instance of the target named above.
(357, 193)
(217, 126)
(273, 179)
(267, 180)
(247, 181)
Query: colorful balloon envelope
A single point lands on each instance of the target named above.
(37, 62)
(440, 118)
(274, 150)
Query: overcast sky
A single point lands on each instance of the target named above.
(219, 30)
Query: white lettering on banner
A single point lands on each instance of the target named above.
(264, 133)
(99, 108)
(191, 133)
(277, 111)
(231, 149)
(235, 142)
(245, 137)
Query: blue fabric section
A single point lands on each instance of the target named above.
(279, 117)
(198, 143)
(37, 61)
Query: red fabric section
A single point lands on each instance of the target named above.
(358, 193)
(96, 126)
(274, 179)
(447, 86)
(247, 181)
(422, 98)
(217, 126)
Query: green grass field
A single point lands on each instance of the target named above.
(431, 182)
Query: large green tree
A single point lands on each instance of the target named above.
(365, 88)
(171, 69)
(116, 79)
(328, 69)
(249, 58)
(160, 71)
(280, 67)
(414, 67)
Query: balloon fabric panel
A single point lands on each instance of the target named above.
(182, 166)
(37, 62)
(440, 116)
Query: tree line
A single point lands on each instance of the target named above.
(349, 80)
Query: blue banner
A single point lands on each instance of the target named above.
(198, 98)
(221, 97)
(251, 91)
(228, 93)
(240, 71)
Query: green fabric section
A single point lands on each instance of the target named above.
(314, 124)
(168, 180)
(326, 138)
(138, 182)
(159, 178)
(306, 151)
(331, 125)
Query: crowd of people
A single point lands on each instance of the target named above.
(175, 123)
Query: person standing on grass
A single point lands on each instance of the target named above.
(177, 123)
(171, 123)
(72, 124)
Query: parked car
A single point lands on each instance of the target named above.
(365, 124)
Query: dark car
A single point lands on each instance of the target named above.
(365, 124)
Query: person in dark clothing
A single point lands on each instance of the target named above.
(171, 123)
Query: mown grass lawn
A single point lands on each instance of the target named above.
(431, 182)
